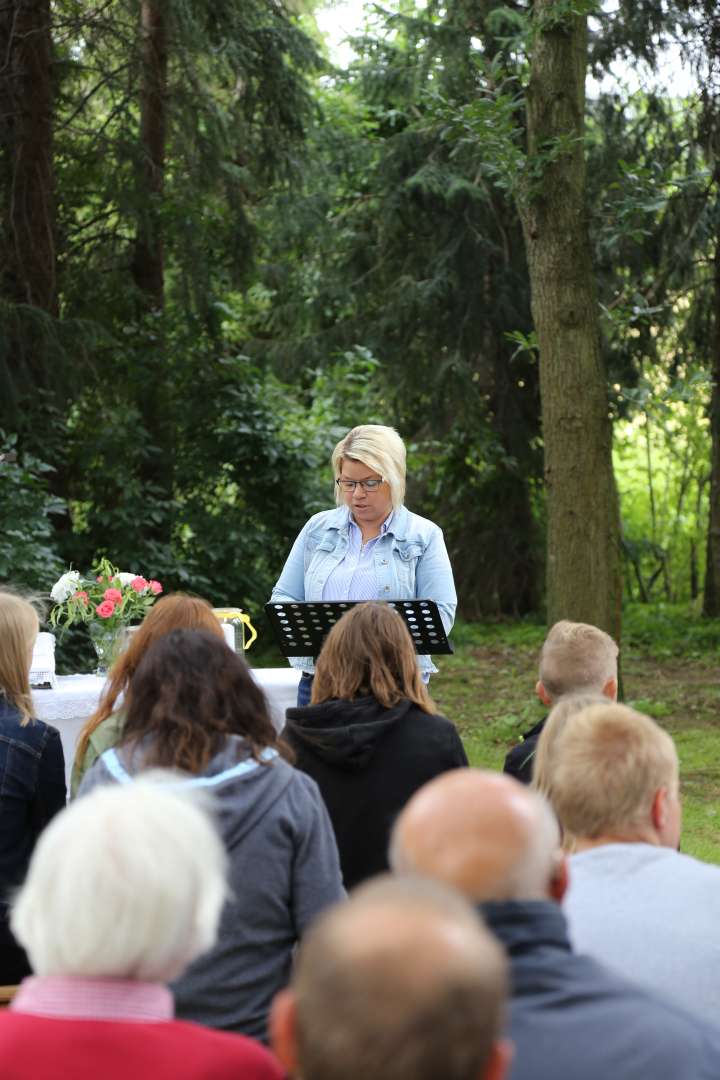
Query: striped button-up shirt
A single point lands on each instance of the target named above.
(354, 578)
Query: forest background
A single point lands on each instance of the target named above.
(219, 251)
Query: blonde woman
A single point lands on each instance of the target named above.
(371, 547)
(32, 769)
(371, 736)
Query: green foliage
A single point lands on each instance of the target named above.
(528, 632)
(28, 551)
(404, 240)
(654, 221)
(526, 343)
(669, 631)
(555, 16)
(486, 131)
(144, 482)
(250, 464)
(343, 247)
(237, 111)
(637, 32)
(661, 465)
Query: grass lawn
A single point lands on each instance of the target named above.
(670, 670)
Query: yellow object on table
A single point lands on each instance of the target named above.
(237, 617)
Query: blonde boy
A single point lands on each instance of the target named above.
(576, 658)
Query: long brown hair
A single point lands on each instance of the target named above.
(191, 691)
(370, 651)
(173, 612)
(18, 630)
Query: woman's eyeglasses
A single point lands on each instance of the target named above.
(350, 485)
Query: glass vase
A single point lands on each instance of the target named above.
(108, 642)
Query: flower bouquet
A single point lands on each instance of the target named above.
(108, 602)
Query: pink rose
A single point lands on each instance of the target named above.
(99, 578)
(81, 595)
(105, 609)
(113, 594)
(138, 584)
(155, 587)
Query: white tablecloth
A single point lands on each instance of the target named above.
(75, 697)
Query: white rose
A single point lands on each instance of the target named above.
(125, 579)
(65, 586)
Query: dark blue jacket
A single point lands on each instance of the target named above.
(32, 790)
(572, 1019)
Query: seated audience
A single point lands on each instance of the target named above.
(400, 983)
(104, 728)
(576, 658)
(192, 705)
(634, 901)
(496, 841)
(371, 736)
(125, 888)
(32, 769)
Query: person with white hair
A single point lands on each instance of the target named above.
(371, 547)
(497, 842)
(635, 901)
(124, 890)
(192, 705)
(402, 982)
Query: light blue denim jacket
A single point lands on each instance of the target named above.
(411, 562)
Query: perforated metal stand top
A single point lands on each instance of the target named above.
(300, 627)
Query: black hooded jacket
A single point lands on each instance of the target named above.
(367, 762)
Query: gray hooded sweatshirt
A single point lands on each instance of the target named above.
(284, 869)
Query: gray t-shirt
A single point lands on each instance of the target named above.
(652, 914)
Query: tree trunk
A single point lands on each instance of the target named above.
(27, 184)
(26, 90)
(153, 391)
(693, 571)
(147, 264)
(711, 595)
(583, 579)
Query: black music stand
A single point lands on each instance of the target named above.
(300, 627)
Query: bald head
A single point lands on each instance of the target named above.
(481, 832)
(402, 982)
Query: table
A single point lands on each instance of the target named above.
(75, 698)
